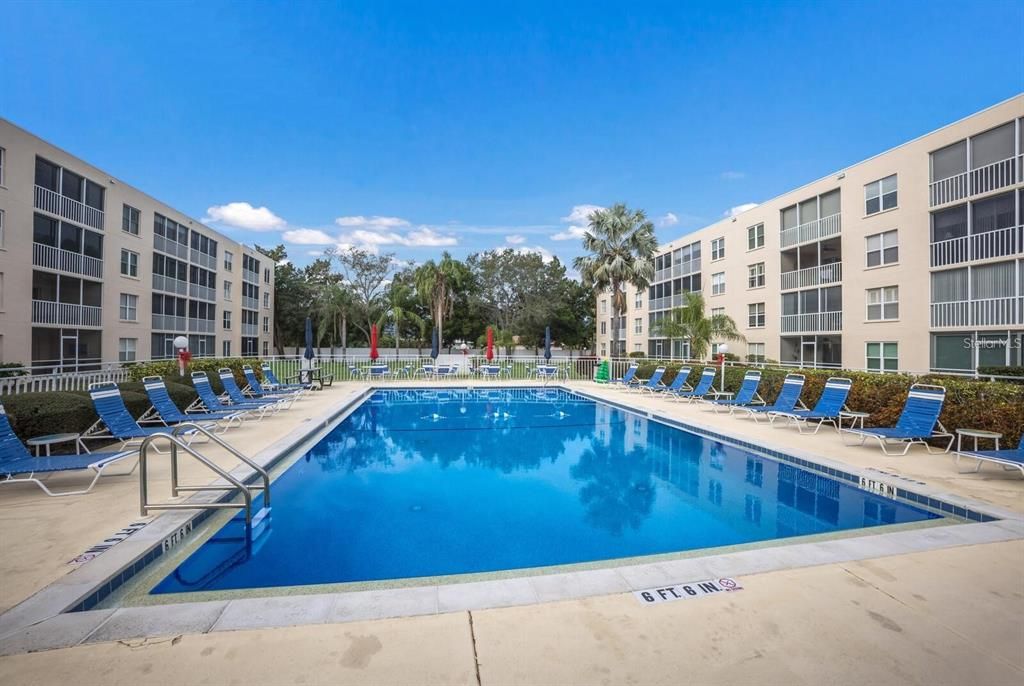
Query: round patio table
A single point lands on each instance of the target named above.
(976, 434)
(855, 419)
(51, 439)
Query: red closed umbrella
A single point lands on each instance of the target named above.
(490, 344)
(373, 343)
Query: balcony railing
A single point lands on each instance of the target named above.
(49, 257)
(169, 284)
(676, 270)
(991, 177)
(812, 322)
(169, 322)
(813, 276)
(251, 277)
(250, 329)
(812, 231)
(170, 247)
(202, 292)
(65, 314)
(68, 208)
(201, 325)
(978, 246)
(250, 303)
(203, 260)
(1006, 311)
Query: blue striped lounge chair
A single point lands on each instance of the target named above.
(18, 466)
(652, 382)
(747, 395)
(704, 388)
(115, 421)
(490, 371)
(827, 410)
(626, 378)
(426, 371)
(270, 378)
(678, 383)
(379, 371)
(547, 372)
(918, 423)
(235, 395)
(255, 389)
(166, 412)
(787, 400)
(1008, 458)
(209, 400)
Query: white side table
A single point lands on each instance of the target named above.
(856, 419)
(976, 434)
(52, 439)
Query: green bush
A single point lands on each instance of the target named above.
(210, 365)
(638, 354)
(38, 414)
(8, 369)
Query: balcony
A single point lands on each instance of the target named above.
(988, 312)
(201, 325)
(250, 276)
(812, 322)
(812, 231)
(203, 260)
(985, 179)
(65, 314)
(68, 208)
(677, 270)
(170, 247)
(169, 284)
(250, 329)
(58, 259)
(250, 303)
(978, 246)
(820, 275)
(202, 292)
(169, 322)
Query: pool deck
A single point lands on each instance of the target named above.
(954, 614)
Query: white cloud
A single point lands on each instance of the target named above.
(306, 237)
(242, 215)
(570, 233)
(545, 254)
(371, 222)
(733, 175)
(668, 220)
(427, 237)
(580, 214)
(739, 209)
(515, 239)
(371, 241)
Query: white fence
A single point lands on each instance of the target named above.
(64, 381)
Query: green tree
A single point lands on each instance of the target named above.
(621, 247)
(690, 322)
(291, 299)
(400, 299)
(573, 320)
(439, 285)
(366, 276)
(333, 307)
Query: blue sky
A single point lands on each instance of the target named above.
(420, 126)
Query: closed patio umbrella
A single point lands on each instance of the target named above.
(435, 345)
(373, 343)
(490, 344)
(547, 343)
(308, 352)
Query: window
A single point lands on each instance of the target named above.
(126, 348)
(3, 167)
(717, 311)
(604, 307)
(882, 357)
(266, 275)
(717, 249)
(718, 283)
(755, 237)
(129, 307)
(755, 315)
(227, 320)
(225, 348)
(129, 220)
(883, 248)
(129, 263)
(638, 325)
(604, 328)
(228, 261)
(1, 229)
(266, 348)
(880, 195)
(266, 325)
(227, 290)
(755, 352)
(266, 301)
(755, 275)
(638, 302)
(883, 304)
(604, 349)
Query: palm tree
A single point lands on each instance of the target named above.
(437, 284)
(332, 309)
(621, 244)
(397, 301)
(690, 323)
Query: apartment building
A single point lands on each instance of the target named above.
(910, 260)
(93, 271)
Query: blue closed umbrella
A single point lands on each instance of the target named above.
(547, 343)
(308, 352)
(435, 345)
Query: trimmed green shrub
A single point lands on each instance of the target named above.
(38, 414)
(638, 354)
(210, 365)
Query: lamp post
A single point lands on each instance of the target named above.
(722, 350)
(181, 343)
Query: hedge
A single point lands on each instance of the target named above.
(210, 365)
(970, 403)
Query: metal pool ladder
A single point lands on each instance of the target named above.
(173, 436)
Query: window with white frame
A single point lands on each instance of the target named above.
(883, 248)
(880, 195)
(225, 347)
(227, 320)
(755, 275)
(604, 349)
(717, 311)
(755, 315)
(266, 348)
(717, 249)
(883, 304)
(883, 356)
(126, 349)
(604, 328)
(227, 290)
(1, 228)
(266, 301)
(228, 261)
(266, 275)
(3, 167)
(638, 302)
(129, 307)
(129, 263)
(130, 220)
(718, 283)
(266, 325)
(755, 237)
(755, 352)
(638, 325)
(604, 307)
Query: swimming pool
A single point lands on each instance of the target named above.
(424, 483)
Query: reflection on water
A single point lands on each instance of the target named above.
(425, 483)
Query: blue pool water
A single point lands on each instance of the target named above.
(427, 483)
